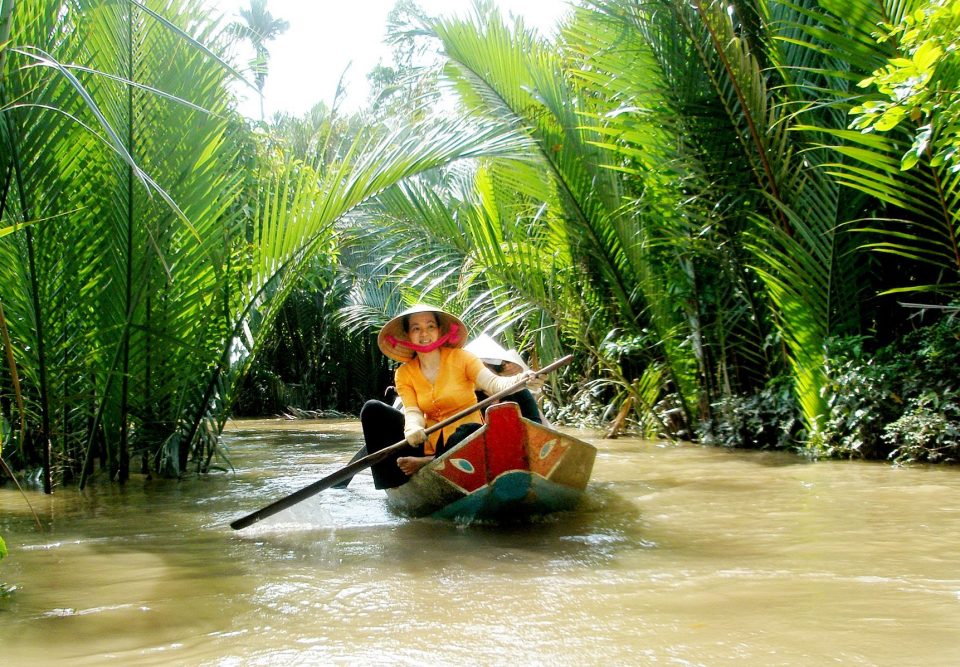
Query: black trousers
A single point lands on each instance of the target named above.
(383, 426)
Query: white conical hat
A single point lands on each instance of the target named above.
(491, 352)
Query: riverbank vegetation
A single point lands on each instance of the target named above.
(742, 218)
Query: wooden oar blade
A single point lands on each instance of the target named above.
(343, 483)
(316, 487)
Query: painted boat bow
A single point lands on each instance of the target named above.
(509, 468)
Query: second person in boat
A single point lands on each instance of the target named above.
(508, 363)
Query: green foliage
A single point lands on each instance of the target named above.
(920, 84)
(928, 430)
(258, 27)
(405, 88)
(861, 398)
(4, 589)
(590, 406)
(670, 189)
(768, 419)
(899, 402)
(308, 361)
(904, 170)
(682, 217)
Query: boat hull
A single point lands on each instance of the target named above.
(510, 468)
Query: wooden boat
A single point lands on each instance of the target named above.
(509, 468)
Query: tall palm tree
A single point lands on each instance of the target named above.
(98, 171)
(668, 154)
(905, 166)
(259, 26)
(154, 241)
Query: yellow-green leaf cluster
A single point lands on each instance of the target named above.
(921, 84)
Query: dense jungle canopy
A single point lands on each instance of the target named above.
(741, 216)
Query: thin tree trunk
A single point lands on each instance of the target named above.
(35, 299)
(14, 380)
(6, 13)
(41, 360)
(123, 465)
(621, 418)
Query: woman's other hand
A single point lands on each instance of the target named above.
(535, 382)
(530, 378)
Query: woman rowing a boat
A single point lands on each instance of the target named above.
(436, 380)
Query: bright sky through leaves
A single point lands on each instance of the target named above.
(325, 38)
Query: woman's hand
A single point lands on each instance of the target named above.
(530, 378)
(416, 437)
(535, 382)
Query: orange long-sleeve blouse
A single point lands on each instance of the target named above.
(452, 392)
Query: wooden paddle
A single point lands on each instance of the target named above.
(353, 468)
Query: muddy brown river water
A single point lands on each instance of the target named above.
(678, 555)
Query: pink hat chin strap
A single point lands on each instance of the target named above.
(452, 336)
